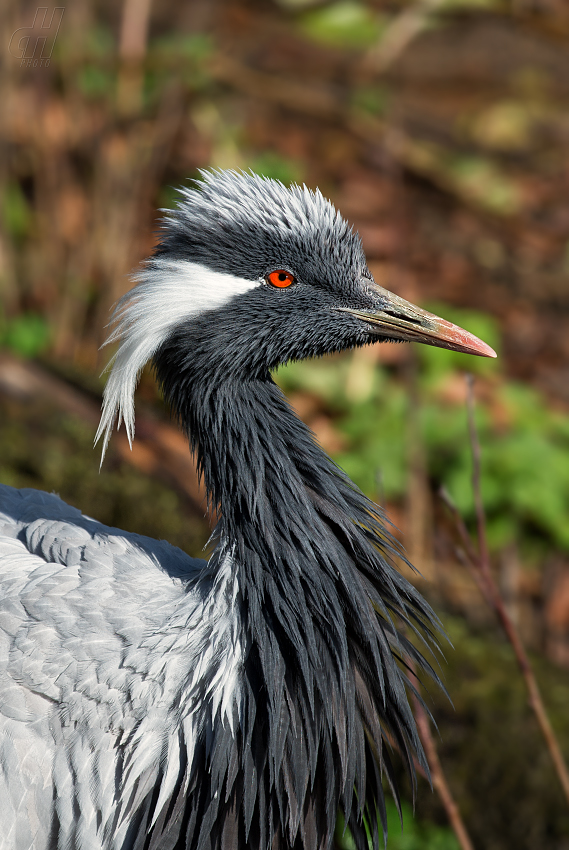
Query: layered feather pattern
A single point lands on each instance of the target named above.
(149, 701)
(324, 680)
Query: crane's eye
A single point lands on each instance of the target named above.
(280, 278)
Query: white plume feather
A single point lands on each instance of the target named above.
(167, 293)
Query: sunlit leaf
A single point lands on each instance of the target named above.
(16, 213)
(27, 335)
(272, 164)
(343, 24)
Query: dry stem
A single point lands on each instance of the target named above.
(132, 49)
(480, 566)
(437, 775)
(400, 33)
(421, 555)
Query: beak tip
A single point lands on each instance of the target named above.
(485, 350)
(460, 339)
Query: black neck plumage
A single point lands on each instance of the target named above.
(322, 607)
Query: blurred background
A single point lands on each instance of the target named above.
(440, 128)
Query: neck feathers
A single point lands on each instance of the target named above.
(325, 612)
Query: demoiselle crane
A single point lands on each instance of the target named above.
(153, 701)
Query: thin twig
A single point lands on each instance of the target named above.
(132, 50)
(399, 35)
(440, 784)
(481, 566)
(476, 488)
(468, 555)
(418, 508)
(134, 29)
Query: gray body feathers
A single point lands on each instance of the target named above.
(96, 628)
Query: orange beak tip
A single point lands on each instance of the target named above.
(461, 340)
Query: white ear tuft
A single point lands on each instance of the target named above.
(167, 293)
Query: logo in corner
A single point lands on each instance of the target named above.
(33, 45)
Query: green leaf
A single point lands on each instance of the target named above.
(343, 24)
(95, 81)
(485, 183)
(371, 99)
(16, 213)
(100, 42)
(27, 335)
(271, 164)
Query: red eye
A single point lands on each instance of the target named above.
(280, 278)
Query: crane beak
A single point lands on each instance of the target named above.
(401, 320)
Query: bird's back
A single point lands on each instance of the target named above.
(92, 655)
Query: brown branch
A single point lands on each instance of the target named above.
(296, 95)
(476, 488)
(440, 783)
(468, 554)
(132, 50)
(480, 563)
(401, 32)
(428, 160)
(418, 507)
(134, 29)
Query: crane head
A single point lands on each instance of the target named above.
(250, 274)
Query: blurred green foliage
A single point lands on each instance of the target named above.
(272, 164)
(100, 42)
(505, 126)
(27, 334)
(95, 81)
(171, 48)
(411, 834)
(484, 183)
(525, 445)
(491, 748)
(492, 753)
(458, 5)
(95, 71)
(343, 24)
(168, 198)
(15, 210)
(179, 56)
(372, 99)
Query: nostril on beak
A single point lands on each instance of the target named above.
(404, 318)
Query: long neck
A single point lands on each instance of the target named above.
(260, 463)
(319, 601)
(284, 504)
(297, 527)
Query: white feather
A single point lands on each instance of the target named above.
(168, 292)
